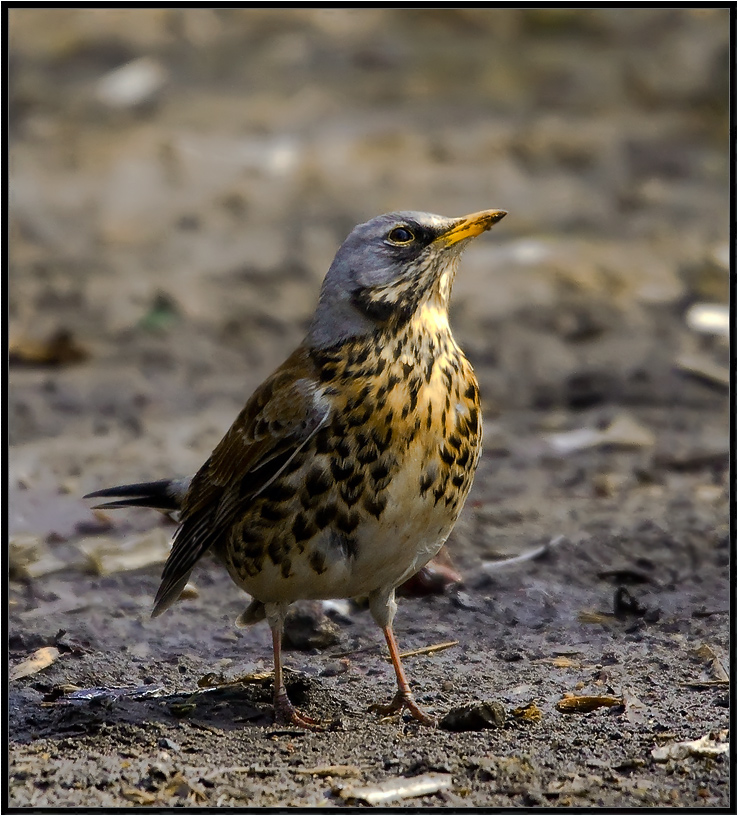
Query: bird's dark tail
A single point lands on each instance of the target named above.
(165, 495)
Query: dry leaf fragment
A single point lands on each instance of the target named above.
(213, 680)
(574, 704)
(107, 555)
(528, 713)
(475, 717)
(400, 788)
(189, 592)
(181, 787)
(704, 369)
(29, 556)
(707, 746)
(622, 432)
(140, 797)
(635, 710)
(714, 664)
(39, 660)
(60, 348)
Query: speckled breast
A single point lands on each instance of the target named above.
(376, 492)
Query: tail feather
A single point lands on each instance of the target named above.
(165, 495)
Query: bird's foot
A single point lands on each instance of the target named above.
(403, 701)
(286, 714)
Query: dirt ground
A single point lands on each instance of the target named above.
(167, 243)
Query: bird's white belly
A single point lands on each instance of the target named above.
(384, 552)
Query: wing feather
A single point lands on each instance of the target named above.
(278, 421)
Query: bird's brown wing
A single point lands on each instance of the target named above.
(277, 421)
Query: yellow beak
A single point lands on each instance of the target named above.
(471, 225)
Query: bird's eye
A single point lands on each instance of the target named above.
(401, 235)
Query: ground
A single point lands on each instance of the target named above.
(165, 255)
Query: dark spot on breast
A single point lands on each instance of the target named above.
(341, 470)
(454, 440)
(303, 528)
(457, 480)
(471, 392)
(407, 369)
(325, 515)
(347, 522)
(273, 512)
(366, 450)
(360, 416)
(352, 489)
(464, 458)
(344, 544)
(277, 551)
(328, 373)
(278, 491)
(426, 480)
(382, 439)
(323, 441)
(375, 504)
(343, 448)
(429, 369)
(360, 354)
(446, 455)
(473, 419)
(286, 568)
(379, 471)
(317, 561)
(413, 390)
(317, 482)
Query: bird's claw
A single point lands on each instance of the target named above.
(403, 701)
(286, 714)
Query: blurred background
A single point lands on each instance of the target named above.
(180, 181)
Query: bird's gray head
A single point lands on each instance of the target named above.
(387, 268)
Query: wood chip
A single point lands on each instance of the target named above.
(622, 432)
(426, 650)
(704, 369)
(40, 659)
(560, 662)
(399, 788)
(60, 348)
(573, 704)
(341, 771)
(530, 555)
(592, 616)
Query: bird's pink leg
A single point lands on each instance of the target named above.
(284, 711)
(404, 697)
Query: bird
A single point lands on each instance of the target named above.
(347, 469)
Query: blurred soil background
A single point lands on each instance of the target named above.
(179, 183)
